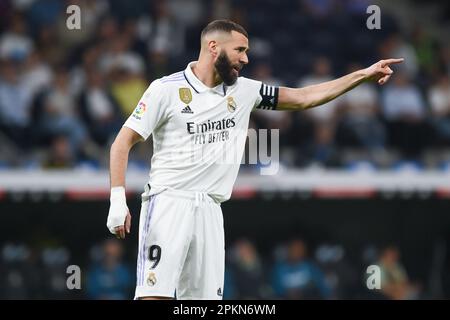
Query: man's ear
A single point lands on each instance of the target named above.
(213, 48)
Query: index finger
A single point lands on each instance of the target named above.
(392, 61)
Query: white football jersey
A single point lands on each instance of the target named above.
(199, 133)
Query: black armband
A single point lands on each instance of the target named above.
(269, 95)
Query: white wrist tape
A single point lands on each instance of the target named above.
(118, 194)
(118, 209)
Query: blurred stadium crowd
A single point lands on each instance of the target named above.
(293, 271)
(64, 94)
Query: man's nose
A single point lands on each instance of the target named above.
(244, 59)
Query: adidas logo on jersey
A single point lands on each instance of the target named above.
(187, 109)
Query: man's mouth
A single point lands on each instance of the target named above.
(237, 69)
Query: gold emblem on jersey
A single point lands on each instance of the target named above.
(185, 95)
(151, 279)
(231, 104)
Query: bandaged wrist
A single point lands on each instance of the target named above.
(118, 194)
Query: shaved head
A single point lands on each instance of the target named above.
(218, 36)
(218, 27)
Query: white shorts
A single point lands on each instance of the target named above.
(181, 246)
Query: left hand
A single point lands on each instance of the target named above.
(380, 71)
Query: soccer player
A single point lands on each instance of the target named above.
(196, 116)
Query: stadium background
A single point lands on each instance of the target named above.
(364, 180)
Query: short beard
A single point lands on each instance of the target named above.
(225, 69)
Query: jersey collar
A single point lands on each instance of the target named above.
(199, 86)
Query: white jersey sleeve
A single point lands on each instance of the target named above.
(150, 111)
(266, 97)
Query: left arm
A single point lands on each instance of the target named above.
(315, 95)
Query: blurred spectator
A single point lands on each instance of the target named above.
(360, 125)
(119, 56)
(46, 38)
(166, 40)
(439, 97)
(108, 30)
(426, 49)
(125, 69)
(127, 88)
(61, 155)
(405, 113)
(297, 277)
(395, 284)
(247, 272)
(15, 43)
(61, 114)
(37, 74)
(137, 43)
(108, 277)
(321, 149)
(89, 61)
(15, 105)
(339, 273)
(100, 112)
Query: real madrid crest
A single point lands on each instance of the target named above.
(185, 95)
(151, 279)
(231, 104)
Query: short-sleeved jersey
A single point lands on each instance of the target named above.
(199, 133)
